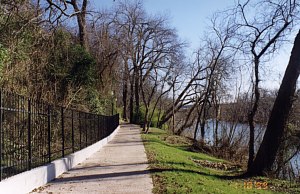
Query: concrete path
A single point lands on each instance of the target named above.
(118, 167)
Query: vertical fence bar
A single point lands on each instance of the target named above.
(106, 126)
(23, 137)
(19, 134)
(98, 127)
(29, 134)
(86, 130)
(90, 128)
(92, 135)
(1, 143)
(49, 133)
(73, 149)
(62, 132)
(94, 129)
(34, 128)
(80, 132)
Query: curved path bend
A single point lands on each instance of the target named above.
(118, 167)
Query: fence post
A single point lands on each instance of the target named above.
(62, 132)
(1, 135)
(98, 127)
(86, 130)
(73, 149)
(49, 133)
(118, 122)
(94, 136)
(91, 129)
(29, 135)
(80, 133)
(95, 127)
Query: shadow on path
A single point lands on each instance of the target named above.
(101, 176)
(107, 166)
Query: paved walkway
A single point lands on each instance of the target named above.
(118, 167)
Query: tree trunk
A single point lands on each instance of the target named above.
(131, 119)
(197, 126)
(137, 96)
(125, 89)
(252, 113)
(81, 20)
(203, 121)
(173, 111)
(159, 114)
(278, 119)
(217, 115)
(82, 30)
(202, 128)
(146, 118)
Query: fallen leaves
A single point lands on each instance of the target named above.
(217, 165)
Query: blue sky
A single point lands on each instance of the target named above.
(189, 17)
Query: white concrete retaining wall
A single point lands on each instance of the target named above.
(29, 180)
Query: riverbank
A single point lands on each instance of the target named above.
(177, 169)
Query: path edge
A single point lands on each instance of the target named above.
(27, 181)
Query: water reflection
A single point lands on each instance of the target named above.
(233, 133)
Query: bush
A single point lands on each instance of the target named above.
(3, 58)
(83, 67)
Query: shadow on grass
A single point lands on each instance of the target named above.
(185, 148)
(156, 133)
(181, 147)
(180, 170)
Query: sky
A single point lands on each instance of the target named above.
(191, 18)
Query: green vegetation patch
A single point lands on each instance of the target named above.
(176, 169)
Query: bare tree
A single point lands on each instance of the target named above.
(129, 20)
(279, 116)
(260, 36)
(58, 8)
(184, 97)
(146, 42)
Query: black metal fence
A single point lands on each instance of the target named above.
(34, 133)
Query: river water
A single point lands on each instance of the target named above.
(236, 132)
(231, 131)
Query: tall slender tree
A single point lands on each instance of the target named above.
(279, 116)
(260, 35)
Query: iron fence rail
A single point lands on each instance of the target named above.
(34, 133)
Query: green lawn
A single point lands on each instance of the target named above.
(176, 169)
